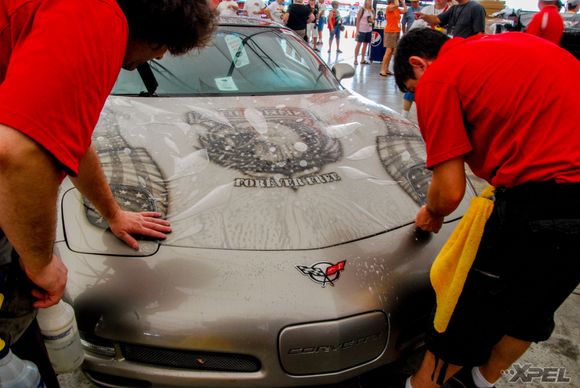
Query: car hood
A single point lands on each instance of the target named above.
(263, 172)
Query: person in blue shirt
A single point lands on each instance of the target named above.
(409, 16)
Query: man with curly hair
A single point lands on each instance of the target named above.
(59, 60)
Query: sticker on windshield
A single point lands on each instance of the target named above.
(237, 50)
(226, 84)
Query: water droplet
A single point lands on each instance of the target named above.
(272, 149)
(303, 163)
(300, 147)
(127, 151)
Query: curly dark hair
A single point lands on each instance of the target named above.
(421, 42)
(181, 25)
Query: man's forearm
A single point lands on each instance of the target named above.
(29, 187)
(92, 183)
(431, 19)
(447, 187)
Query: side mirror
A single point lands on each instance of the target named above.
(342, 70)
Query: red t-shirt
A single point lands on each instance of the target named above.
(503, 103)
(547, 24)
(59, 60)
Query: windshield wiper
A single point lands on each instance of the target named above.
(239, 51)
(148, 79)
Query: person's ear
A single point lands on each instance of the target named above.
(418, 63)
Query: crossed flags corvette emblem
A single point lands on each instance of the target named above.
(323, 272)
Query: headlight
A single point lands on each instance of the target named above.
(86, 233)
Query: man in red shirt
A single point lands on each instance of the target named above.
(59, 60)
(547, 23)
(508, 118)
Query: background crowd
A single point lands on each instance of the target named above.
(456, 18)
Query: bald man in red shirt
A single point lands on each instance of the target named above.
(508, 117)
(547, 23)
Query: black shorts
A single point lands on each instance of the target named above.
(527, 265)
(364, 37)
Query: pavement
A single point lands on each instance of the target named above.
(551, 364)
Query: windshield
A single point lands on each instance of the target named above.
(241, 60)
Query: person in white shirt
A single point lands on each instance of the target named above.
(364, 29)
(227, 8)
(439, 6)
(311, 26)
(254, 8)
(275, 11)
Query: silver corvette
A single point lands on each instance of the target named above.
(293, 259)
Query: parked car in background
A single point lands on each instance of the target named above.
(293, 259)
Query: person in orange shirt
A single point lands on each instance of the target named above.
(392, 33)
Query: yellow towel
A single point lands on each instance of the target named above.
(450, 268)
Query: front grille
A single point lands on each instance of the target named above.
(223, 362)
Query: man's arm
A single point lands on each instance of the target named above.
(479, 20)
(30, 180)
(91, 182)
(268, 13)
(404, 9)
(436, 20)
(391, 7)
(445, 194)
(430, 19)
